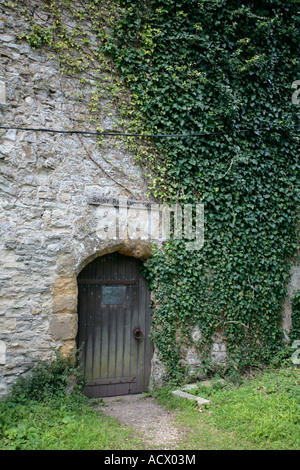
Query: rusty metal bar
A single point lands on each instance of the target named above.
(107, 283)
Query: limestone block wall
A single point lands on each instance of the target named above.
(47, 228)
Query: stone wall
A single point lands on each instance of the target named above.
(47, 228)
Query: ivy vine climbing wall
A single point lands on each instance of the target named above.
(224, 69)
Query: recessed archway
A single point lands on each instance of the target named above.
(114, 320)
(64, 319)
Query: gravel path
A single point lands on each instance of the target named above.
(156, 424)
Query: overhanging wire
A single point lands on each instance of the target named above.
(120, 134)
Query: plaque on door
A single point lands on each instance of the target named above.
(113, 295)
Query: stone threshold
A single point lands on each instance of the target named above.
(182, 393)
(189, 396)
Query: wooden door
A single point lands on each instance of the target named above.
(114, 324)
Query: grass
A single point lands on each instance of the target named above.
(261, 412)
(67, 423)
(47, 411)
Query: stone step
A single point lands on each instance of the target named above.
(189, 396)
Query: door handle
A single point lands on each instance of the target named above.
(138, 334)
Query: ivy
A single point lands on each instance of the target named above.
(219, 66)
(225, 69)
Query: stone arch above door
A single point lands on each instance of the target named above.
(71, 260)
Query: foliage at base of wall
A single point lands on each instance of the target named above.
(225, 70)
(49, 379)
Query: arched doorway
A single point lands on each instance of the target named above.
(114, 319)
